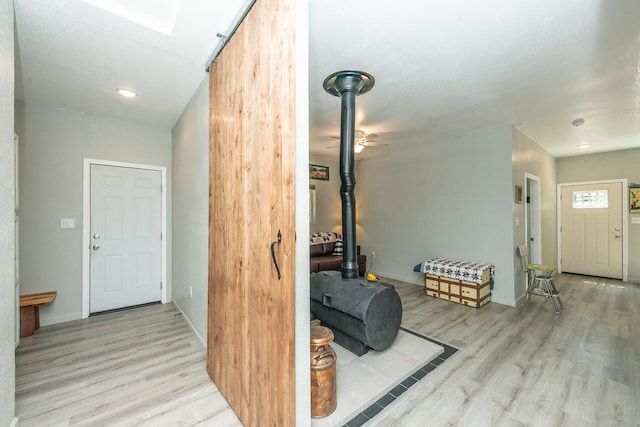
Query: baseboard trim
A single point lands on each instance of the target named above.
(520, 299)
(416, 281)
(45, 321)
(195, 331)
(510, 303)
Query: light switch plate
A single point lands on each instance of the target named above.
(67, 223)
(635, 220)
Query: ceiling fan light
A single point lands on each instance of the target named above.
(126, 93)
(358, 148)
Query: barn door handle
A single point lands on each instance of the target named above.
(273, 254)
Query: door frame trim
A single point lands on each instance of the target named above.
(625, 219)
(86, 224)
(536, 217)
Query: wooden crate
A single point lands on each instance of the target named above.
(460, 291)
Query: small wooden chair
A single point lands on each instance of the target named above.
(540, 280)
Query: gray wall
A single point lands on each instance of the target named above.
(328, 205)
(53, 145)
(190, 158)
(529, 157)
(449, 198)
(7, 215)
(605, 166)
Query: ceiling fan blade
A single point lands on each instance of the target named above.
(363, 145)
(373, 144)
(360, 137)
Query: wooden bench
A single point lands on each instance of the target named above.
(30, 311)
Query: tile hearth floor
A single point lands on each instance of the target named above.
(368, 383)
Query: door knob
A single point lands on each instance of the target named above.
(617, 236)
(95, 247)
(96, 236)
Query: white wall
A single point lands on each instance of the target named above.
(53, 143)
(449, 198)
(7, 216)
(328, 204)
(190, 159)
(529, 157)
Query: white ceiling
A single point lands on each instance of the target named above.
(74, 53)
(442, 67)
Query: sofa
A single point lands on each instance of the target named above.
(325, 250)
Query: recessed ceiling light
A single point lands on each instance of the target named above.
(583, 146)
(578, 122)
(126, 93)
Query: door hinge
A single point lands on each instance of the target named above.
(160, 285)
(161, 236)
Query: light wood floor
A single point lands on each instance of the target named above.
(525, 366)
(137, 367)
(520, 366)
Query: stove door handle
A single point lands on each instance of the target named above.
(273, 254)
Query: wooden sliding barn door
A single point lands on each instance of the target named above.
(251, 322)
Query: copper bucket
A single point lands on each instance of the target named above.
(323, 373)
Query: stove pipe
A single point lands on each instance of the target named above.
(347, 85)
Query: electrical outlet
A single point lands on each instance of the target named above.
(373, 254)
(190, 292)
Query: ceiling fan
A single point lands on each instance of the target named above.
(361, 141)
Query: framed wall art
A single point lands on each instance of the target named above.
(634, 199)
(319, 172)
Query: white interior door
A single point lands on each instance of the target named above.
(591, 229)
(126, 237)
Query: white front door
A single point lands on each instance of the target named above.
(591, 229)
(126, 237)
